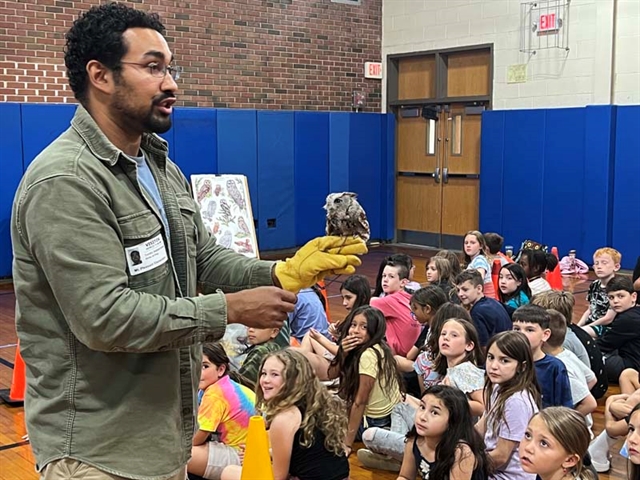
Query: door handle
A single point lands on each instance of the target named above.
(445, 175)
(436, 175)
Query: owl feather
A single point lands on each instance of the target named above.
(346, 217)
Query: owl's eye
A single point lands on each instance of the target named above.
(338, 200)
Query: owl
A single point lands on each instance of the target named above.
(345, 216)
(226, 239)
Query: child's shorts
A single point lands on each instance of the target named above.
(220, 456)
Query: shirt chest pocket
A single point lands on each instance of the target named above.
(145, 250)
(188, 213)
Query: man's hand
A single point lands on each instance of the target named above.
(262, 307)
(318, 258)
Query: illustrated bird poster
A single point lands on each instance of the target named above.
(225, 207)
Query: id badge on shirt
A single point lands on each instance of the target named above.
(146, 255)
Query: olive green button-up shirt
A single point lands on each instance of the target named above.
(110, 339)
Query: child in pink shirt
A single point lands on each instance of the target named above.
(402, 328)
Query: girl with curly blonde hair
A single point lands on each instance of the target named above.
(306, 424)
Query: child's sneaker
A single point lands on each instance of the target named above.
(378, 462)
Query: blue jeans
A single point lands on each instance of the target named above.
(372, 422)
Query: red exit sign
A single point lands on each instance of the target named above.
(548, 22)
(372, 69)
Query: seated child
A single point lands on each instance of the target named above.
(581, 378)
(551, 373)
(598, 316)
(309, 313)
(554, 444)
(402, 329)
(577, 340)
(454, 262)
(616, 410)
(306, 424)
(512, 397)
(535, 263)
(489, 316)
(475, 258)
(513, 286)
(425, 303)
(318, 349)
(620, 344)
(396, 259)
(494, 245)
(223, 416)
(457, 366)
(438, 273)
(443, 443)
(369, 381)
(261, 342)
(633, 443)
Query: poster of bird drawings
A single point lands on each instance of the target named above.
(225, 207)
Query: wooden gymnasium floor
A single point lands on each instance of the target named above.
(17, 462)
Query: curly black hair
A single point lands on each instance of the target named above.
(97, 35)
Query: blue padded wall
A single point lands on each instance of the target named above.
(339, 124)
(276, 180)
(563, 170)
(388, 203)
(11, 161)
(599, 151)
(492, 170)
(195, 141)
(41, 124)
(311, 174)
(169, 136)
(522, 177)
(238, 149)
(626, 196)
(365, 166)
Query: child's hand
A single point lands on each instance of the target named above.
(333, 330)
(349, 343)
(313, 333)
(241, 448)
(347, 451)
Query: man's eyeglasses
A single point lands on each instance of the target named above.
(159, 70)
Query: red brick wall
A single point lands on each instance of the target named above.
(275, 54)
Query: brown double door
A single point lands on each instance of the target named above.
(437, 183)
(438, 155)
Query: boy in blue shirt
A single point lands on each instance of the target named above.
(489, 316)
(533, 321)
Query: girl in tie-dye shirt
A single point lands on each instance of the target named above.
(223, 416)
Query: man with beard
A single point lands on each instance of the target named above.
(111, 339)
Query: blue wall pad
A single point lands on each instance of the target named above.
(626, 196)
(365, 167)
(523, 173)
(194, 139)
(564, 146)
(339, 124)
(11, 160)
(311, 174)
(238, 149)
(491, 171)
(41, 125)
(388, 202)
(169, 136)
(597, 185)
(276, 180)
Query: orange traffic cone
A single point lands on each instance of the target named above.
(323, 290)
(15, 395)
(257, 460)
(495, 275)
(554, 277)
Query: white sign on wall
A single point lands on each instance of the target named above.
(373, 70)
